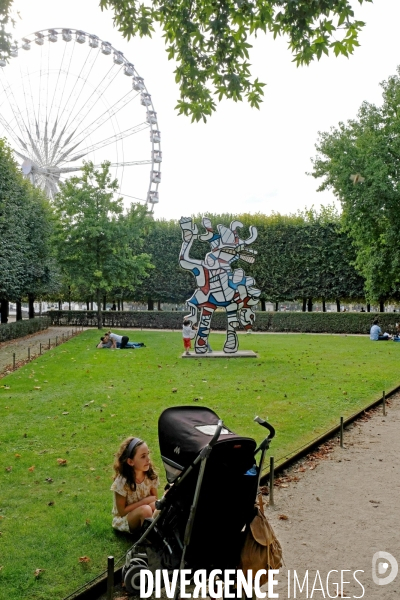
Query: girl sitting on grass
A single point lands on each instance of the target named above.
(135, 485)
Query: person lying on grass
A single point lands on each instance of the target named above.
(135, 485)
(106, 342)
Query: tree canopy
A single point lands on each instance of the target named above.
(210, 40)
(360, 161)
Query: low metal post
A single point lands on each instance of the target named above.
(271, 480)
(62, 338)
(49, 344)
(29, 353)
(40, 348)
(341, 432)
(14, 361)
(110, 577)
(56, 339)
(384, 403)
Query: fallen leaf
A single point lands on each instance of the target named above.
(283, 517)
(38, 573)
(62, 461)
(51, 503)
(37, 387)
(65, 413)
(84, 559)
(17, 456)
(174, 390)
(49, 480)
(32, 468)
(8, 469)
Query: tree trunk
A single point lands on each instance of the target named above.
(323, 305)
(381, 306)
(59, 305)
(99, 313)
(91, 305)
(276, 306)
(338, 304)
(309, 305)
(18, 316)
(368, 308)
(263, 307)
(31, 299)
(87, 305)
(69, 297)
(4, 311)
(122, 304)
(119, 304)
(150, 304)
(304, 304)
(104, 302)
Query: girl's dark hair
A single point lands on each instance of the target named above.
(121, 466)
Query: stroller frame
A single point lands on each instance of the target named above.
(135, 557)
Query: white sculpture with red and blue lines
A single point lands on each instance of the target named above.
(218, 285)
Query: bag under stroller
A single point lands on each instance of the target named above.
(205, 514)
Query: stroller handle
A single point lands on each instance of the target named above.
(216, 434)
(266, 425)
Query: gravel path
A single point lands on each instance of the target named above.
(344, 510)
(20, 346)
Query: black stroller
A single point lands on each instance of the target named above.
(205, 513)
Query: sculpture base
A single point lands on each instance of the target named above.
(238, 354)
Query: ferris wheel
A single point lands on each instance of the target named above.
(67, 97)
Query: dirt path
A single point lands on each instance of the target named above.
(343, 511)
(20, 346)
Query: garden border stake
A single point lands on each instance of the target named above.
(56, 339)
(384, 403)
(40, 348)
(110, 577)
(341, 432)
(271, 481)
(29, 353)
(14, 361)
(49, 344)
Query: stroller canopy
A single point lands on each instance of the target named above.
(183, 431)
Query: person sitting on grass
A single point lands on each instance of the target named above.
(135, 485)
(376, 334)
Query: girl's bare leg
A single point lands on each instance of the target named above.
(137, 516)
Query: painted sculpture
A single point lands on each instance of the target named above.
(218, 286)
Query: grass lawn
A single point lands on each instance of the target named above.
(77, 403)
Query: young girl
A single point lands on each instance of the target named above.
(135, 485)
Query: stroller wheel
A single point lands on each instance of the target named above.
(139, 561)
(132, 579)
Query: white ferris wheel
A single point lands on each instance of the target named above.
(67, 97)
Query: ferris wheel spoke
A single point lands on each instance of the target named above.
(15, 110)
(56, 87)
(71, 52)
(96, 95)
(12, 134)
(88, 65)
(106, 116)
(112, 139)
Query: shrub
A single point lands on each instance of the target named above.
(10, 331)
(301, 322)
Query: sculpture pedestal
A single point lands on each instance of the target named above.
(238, 354)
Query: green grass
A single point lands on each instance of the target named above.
(89, 400)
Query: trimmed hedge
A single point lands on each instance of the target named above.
(10, 331)
(301, 322)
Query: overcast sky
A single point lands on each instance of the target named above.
(243, 159)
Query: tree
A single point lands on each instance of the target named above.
(5, 20)
(209, 40)
(360, 162)
(26, 264)
(96, 239)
